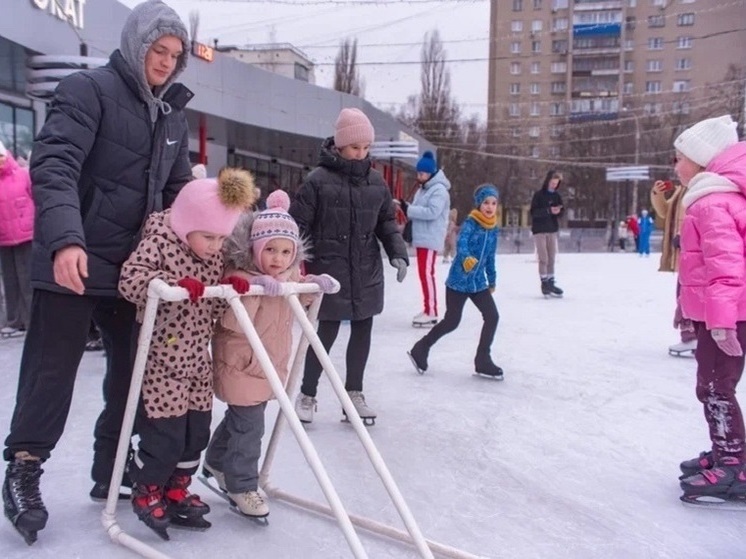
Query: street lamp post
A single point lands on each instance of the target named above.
(633, 208)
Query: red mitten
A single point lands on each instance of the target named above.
(194, 287)
(241, 285)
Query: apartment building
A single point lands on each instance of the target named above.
(558, 66)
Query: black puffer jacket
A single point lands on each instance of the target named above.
(345, 208)
(542, 218)
(99, 167)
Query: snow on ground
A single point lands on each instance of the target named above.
(574, 455)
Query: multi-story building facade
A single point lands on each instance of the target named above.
(560, 70)
(280, 58)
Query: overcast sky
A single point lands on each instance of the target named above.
(389, 38)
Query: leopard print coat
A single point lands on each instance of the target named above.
(178, 374)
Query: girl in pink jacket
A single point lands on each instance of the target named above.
(16, 232)
(265, 250)
(712, 269)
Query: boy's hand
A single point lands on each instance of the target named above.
(70, 268)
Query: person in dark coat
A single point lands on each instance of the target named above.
(113, 149)
(546, 209)
(345, 209)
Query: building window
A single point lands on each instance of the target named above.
(515, 131)
(537, 25)
(557, 109)
(680, 107)
(560, 46)
(629, 88)
(686, 1)
(17, 129)
(684, 43)
(681, 86)
(631, 23)
(652, 87)
(559, 4)
(655, 43)
(559, 67)
(536, 47)
(301, 72)
(555, 132)
(535, 67)
(516, 26)
(560, 24)
(652, 108)
(535, 90)
(559, 87)
(629, 44)
(629, 66)
(632, 3)
(515, 68)
(659, 2)
(534, 132)
(515, 89)
(554, 151)
(683, 63)
(655, 65)
(517, 5)
(515, 47)
(514, 109)
(685, 19)
(535, 152)
(537, 4)
(535, 109)
(657, 20)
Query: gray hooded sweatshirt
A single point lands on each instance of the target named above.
(110, 153)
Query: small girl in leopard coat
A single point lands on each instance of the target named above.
(264, 249)
(181, 246)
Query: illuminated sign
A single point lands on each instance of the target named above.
(66, 10)
(203, 51)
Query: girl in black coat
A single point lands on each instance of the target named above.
(345, 209)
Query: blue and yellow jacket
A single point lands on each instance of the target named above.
(478, 239)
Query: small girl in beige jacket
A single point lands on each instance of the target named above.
(264, 249)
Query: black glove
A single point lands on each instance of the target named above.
(403, 204)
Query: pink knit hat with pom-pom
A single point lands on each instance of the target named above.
(273, 223)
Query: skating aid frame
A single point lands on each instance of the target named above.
(159, 290)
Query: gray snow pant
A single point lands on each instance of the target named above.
(236, 446)
(15, 262)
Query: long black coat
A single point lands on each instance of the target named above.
(99, 167)
(542, 218)
(345, 208)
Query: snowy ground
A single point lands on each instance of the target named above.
(574, 455)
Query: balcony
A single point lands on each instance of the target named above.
(596, 29)
(596, 5)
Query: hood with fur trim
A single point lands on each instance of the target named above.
(237, 248)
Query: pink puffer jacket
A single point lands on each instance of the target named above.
(16, 204)
(712, 269)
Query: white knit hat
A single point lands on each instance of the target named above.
(707, 139)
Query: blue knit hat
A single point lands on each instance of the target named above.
(484, 191)
(427, 163)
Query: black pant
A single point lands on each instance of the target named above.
(455, 301)
(169, 445)
(54, 345)
(358, 349)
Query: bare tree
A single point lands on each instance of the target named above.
(437, 112)
(346, 76)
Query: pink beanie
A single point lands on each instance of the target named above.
(273, 223)
(352, 127)
(212, 205)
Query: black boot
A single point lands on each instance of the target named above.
(546, 288)
(22, 498)
(553, 289)
(100, 490)
(185, 509)
(418, 354)
(483, 365)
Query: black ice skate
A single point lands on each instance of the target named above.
(548, 289)
(483, 366)
(185, 509)
(100, 490)
(22, 498)
(150, 507)
(704, 461)
(418, 356)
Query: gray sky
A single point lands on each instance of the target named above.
(389, 36)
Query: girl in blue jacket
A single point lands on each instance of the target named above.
(472, 276)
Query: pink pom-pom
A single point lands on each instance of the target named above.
(278, 199)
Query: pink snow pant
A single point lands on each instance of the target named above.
(426, 269)
(717, 377)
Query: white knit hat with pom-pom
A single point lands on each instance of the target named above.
(273, 223)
